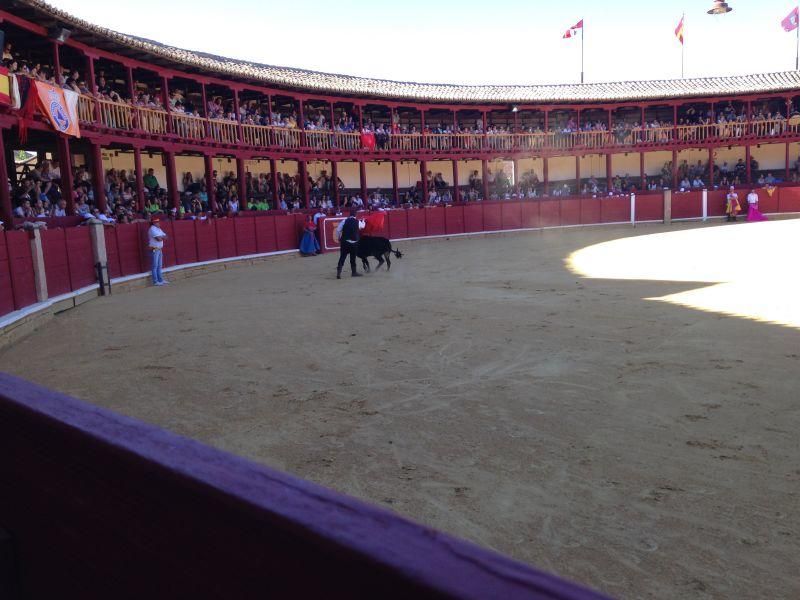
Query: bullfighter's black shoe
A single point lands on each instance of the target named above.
(357, 274)
(338, 272)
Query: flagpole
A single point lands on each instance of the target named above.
(582, 28)
(797, 51)
(683, 41)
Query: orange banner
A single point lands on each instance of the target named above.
(60, 107)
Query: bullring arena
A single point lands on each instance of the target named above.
(600, 386)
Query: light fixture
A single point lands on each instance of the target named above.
(60, 34)
(514, 108)
(719, 7)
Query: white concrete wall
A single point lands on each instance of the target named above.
(771, 157)
(532, 164)
(593, 165)
(654, 162)
(625, 164)
(561, 168)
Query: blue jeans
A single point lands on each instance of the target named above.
(156, 271)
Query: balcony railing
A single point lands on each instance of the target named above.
(120, 116)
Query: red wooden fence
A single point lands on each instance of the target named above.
(70, 264)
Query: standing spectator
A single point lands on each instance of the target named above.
(156, 237)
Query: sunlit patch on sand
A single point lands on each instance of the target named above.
(755, 266)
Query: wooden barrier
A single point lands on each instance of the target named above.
(6, 283)
(20, 263)
(69, 261)
(100, 506)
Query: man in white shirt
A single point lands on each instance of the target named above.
(155, 241)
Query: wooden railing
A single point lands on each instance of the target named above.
(187, 126)
(406, 142)
(319, 140)
(86, 106)
(223, 131)
(122, 116)
(284, 137)
(151, 120)
(115, 115)
(347, 141)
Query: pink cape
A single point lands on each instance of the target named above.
(753, 214)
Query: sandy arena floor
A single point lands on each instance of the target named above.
(641, 447)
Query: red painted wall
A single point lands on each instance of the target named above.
(54, 249)
(6, 289)
(454, 219)
(615, 210)
(398, 224)
(649, 207)
(81, 257)
(687, 205)
(20, 265)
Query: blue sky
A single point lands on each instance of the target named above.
(466, 41)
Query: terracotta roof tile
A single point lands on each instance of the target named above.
(329, 83)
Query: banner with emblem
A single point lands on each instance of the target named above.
(60, 107)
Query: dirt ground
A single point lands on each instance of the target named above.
(642, 448)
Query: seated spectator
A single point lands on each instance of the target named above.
(150, 181)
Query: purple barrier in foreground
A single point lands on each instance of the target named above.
(99, 505)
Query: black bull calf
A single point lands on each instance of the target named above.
(376, 247)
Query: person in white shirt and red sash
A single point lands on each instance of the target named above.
(753, 214)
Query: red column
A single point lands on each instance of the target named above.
(363, 177)
(456, 190)
(335, 183)
(422, 128)
(137, 166)
(485, 169)
(423, 171)
(93, 88)
(131, 84)
(485, 142)
(577, 173)
(211, 184)
(65, 162)
(301, 122)
(6, 211)
(786, 174)
(710, 168)
(641, 170)
(98, 177)
(276, 191)
(172, 180)
(747, 157)
(241, 174)
(546, 174)
(239, 132)
(395, 192)
(205, 111)
(674, 169)
(609, 176)
(304, 182)
(360, 119)
(165, 100)
(57, 63)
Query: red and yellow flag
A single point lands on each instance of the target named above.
(679, 31)
(60, 107)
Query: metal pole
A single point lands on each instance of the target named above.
(582, 28)
(797, 51)
(683, 41)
